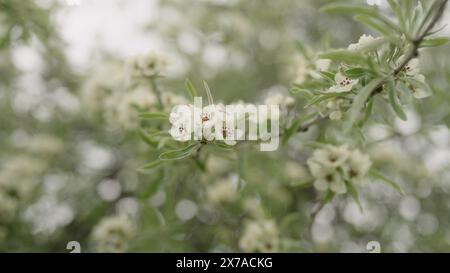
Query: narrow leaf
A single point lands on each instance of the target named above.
(190, 88)
(393, 100)
(360, 101)
(151, 165)
(393, 184)
(349, 57)
(208, 93)
(354, 194)
(435, 42)
(179, 154)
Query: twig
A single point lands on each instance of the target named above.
(413, 53)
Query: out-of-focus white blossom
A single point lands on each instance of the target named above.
(45, 145)
(121, 109)
(260, 236)
(279, 99)
(364, 42)
(224, 190)
(149, 65)
(374, 2)
(113, 233)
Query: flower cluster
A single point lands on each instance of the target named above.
(188, 120)
(146, 66)
(260, 236)
(334, 166)
(218, 122)
(122, 108)
(17, 183)
(115, 93)
(113, 233)
(335, 88)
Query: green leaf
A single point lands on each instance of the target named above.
(398, 12)
(393, 100)
(327, 75)
(367, 113)
(435, 42)
(208, 93)
(349, 57)
(393, 184)
(323, 97)
(190, 88)
(373, 24)
(360, 10)
(147, 139)
(154, 116)
(152, 187)
(223, 145)
(354, 194)
(304, 50)
(360, 101)
(329, 197)
(355, 72)
(181, 153)
(151, 165)
(302, 92)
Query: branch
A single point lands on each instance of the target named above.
(413, 53)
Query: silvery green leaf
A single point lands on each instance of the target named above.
(181, 153)
(395, 104)
(360, 101)
(190, 88)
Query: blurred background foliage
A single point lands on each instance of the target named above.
(70, 154)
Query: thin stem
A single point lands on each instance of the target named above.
(157, 93)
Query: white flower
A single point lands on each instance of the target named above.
(211, 115)
(364, 42)
(357, 166)
(331, 156)
(343, 84)
(420, 93)
(374, 2)
(112, 233)
(224, 190)
(122, 108)
(412, 68)
(181, 120)
(333, 166)
(326, 178)
(230, 135)
(259, 236)
(148, 65)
